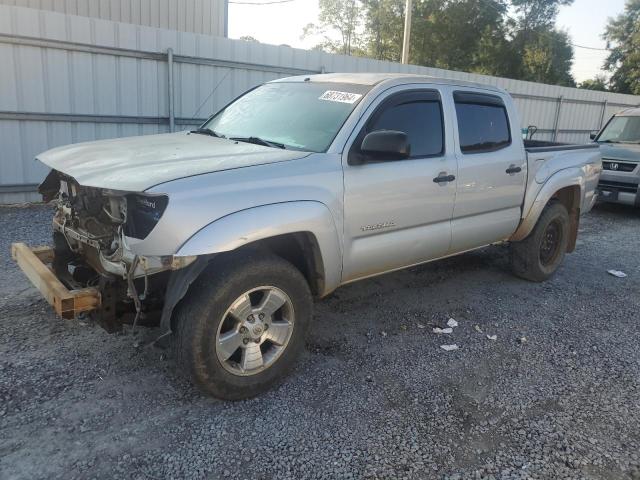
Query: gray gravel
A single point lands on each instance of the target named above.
(374, 397)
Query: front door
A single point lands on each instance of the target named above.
(398, 211)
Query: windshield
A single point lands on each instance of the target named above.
(621, 130)
(296, 115)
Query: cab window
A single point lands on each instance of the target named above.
(420, 119)
(416, 113)
(483, 123)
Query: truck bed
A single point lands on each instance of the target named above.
(545, 146)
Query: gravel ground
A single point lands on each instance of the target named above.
(374, 397)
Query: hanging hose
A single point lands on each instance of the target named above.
(133, 293)
(64, 234)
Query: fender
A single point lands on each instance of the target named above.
(247, 226)
(537, 198)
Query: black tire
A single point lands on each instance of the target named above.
(199, 315)
(533, 259)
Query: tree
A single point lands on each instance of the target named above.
(444, 33)
(383, 28)
(547, 58)
(477, 36)
(249, 38)
(474, 36)
(599, 82)
(546, 53)
(337, 16)
(624, 59)
(533, 14)
(450, 34)
(495, 55)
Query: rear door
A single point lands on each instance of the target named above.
(491, 170)
(395, 213)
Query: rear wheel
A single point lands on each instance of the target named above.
(538, 256)
(241, 328)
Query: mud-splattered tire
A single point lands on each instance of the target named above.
(537, 257)
(242, 326)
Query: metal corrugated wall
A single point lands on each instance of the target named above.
(66, 79)
(196, 16)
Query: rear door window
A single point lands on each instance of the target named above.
(483, 123)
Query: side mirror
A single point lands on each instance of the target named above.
(388, 144)
(593, 136)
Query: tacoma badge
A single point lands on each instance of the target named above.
(378, 226)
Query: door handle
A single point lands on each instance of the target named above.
(513, 169)
(444, 178)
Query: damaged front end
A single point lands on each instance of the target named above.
(92, 232)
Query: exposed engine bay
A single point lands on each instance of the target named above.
(92, 230)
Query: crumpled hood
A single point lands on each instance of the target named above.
(626, 152)
(139, 163)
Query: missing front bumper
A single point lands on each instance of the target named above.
(67, 303)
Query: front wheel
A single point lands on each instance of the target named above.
(242, 327)
(538, 256)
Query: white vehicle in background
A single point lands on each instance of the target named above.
(619, 142)
(300, 186)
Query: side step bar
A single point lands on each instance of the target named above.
(67, 303)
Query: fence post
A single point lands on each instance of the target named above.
(172, 119)
(604, 110)
(556, 123)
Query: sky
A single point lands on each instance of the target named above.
(279, 24)
(585, 21)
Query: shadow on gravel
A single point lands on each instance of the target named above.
(613, 210)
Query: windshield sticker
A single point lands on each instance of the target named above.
(342, 97)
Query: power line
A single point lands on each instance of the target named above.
(590, 48)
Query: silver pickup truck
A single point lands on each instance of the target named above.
(224, 235)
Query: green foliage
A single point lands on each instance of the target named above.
(546, 53)
(535, 14)
(469, 35)
(383, 28)
(249, 38)
(624, 59)
(495, 55)
(448, 34)
(547, 58)
(341, 17)
(597, 83)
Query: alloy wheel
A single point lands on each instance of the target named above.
(255, 331)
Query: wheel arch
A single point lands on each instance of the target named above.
(564, 187)
(302, 233)
(570, 197)
(306, 227)
(300, 249)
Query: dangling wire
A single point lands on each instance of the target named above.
(211, 94)
(133, 293)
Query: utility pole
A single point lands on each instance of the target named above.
(407, 32)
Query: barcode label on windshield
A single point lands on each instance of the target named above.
(342, 97)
